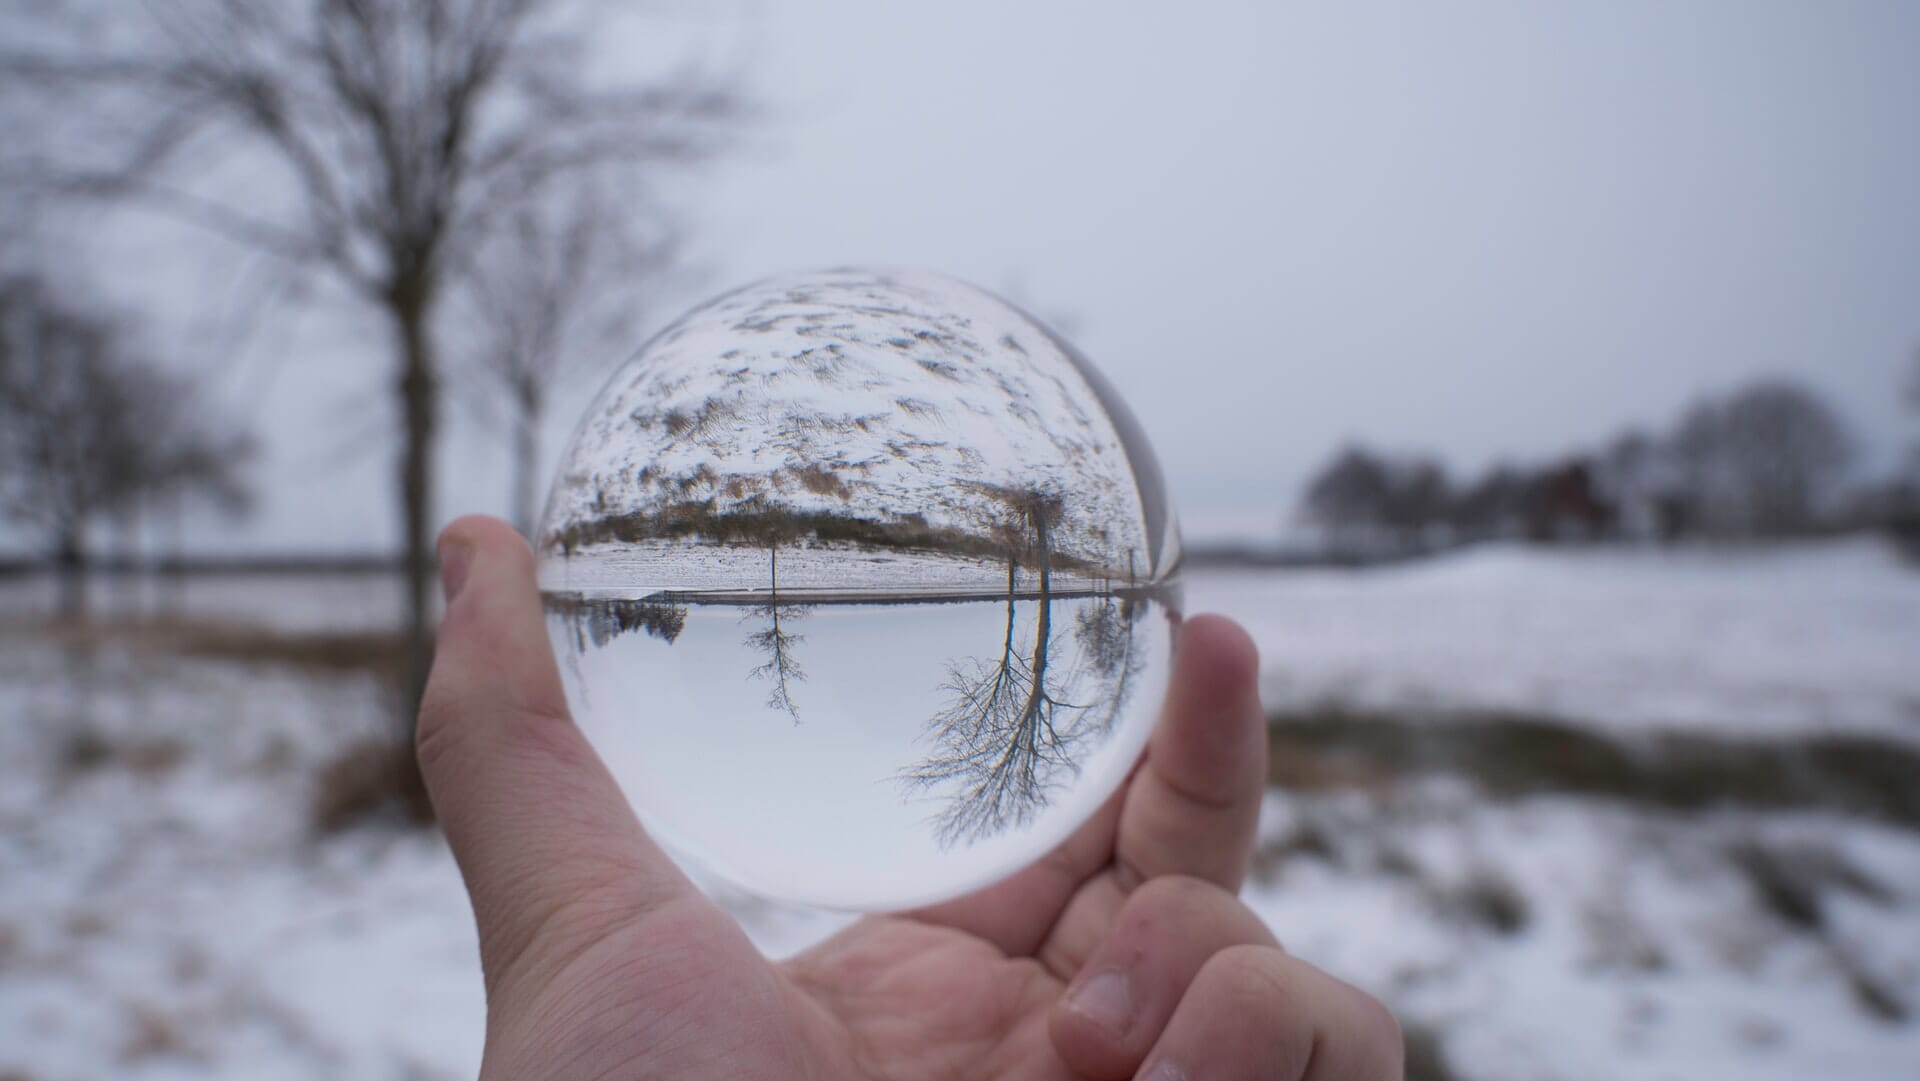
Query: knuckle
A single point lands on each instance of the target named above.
(1175, 894)
(1203, 909)
(1254, 976)
(1252, 988)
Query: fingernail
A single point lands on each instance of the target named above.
(456, 558)
(1106, 1000)
(1164, 1070)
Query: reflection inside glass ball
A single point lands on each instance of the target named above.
(863, 585)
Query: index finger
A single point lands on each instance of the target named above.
(536, 823)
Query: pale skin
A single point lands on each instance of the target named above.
(1125, 953)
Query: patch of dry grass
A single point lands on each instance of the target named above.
(1426, 1055)
(87, 748)
(372, 779)
(1486, 899)
(1513, 755)
(381, 653)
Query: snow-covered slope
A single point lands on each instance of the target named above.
(872, 407)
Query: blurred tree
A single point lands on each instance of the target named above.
(1913, 406)
(1564, 503)
(780, 669)
(87, 430)
(188, 457)
(1633, 476)
(1366, 499)
(1351, 491)
(1494, 505)
(64, 421)
(1419, 495)
(560, 294)
(403, 132)
(1902, 511)
(1008, 731)
(1761, 461)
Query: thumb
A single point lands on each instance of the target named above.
(550, 851)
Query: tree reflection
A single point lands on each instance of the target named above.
(1015, 724)
(598, 620)
(1012, 729)
(776, 642)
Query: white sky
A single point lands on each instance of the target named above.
(1488, 229)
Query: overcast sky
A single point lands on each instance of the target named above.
(1499, 229)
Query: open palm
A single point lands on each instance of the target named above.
(1124, 953)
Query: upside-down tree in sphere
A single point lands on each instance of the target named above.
(403, 134)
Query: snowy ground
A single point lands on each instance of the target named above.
(166, 910)
(1816, 637)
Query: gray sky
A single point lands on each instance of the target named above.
(1487, 229)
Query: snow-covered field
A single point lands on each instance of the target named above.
(167, 911)
(1787, 640)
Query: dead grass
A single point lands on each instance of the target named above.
(1486, 899)
(1512, 755)
(1617, 940)
(85, 923)
(1310, 838)
(1426, 1055)
(373, 779)
(83, 750)
(155, 1034)
(87, 748)
(381, 653)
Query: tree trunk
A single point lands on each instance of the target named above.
(71, 559)
(173, 572)
(419, 394)
(526, 463)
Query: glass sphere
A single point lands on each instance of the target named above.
(863, 584)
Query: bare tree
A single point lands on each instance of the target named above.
(88, 430)
(780, 669)
(190, 459)
(1420, 495)
(1364, 496)
(1008, 733)
(403, 132)
(1494, 505)
(64, 458)
(1912, 396)
(558, 295)
(1353, 490)
(1760, 461)
(598, 620)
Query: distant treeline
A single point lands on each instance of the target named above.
(1768, 460)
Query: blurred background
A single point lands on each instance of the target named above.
(1540, 385)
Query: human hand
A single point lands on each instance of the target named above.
(1124, 953)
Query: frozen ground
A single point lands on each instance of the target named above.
(165, 910)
